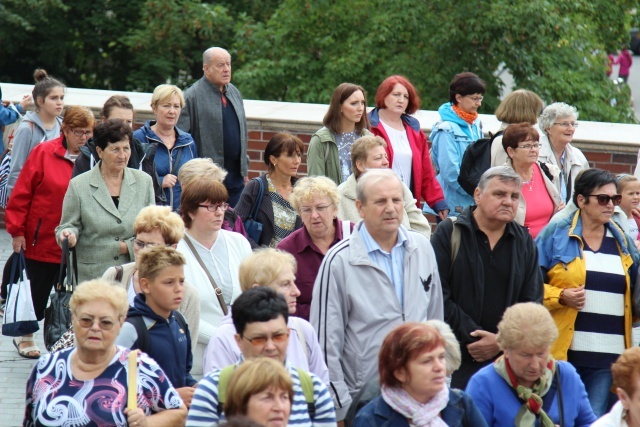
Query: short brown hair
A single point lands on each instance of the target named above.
(332, 119)
(282, 142)
(151, 261)
(78, 117)
(160, 218)
(200, 191)
(519, 132)
(360, 150)
(386, 87)
(465, 84)
(116, 101)
(626, 370)
(252, 377)
(520, 106)
(402, 345)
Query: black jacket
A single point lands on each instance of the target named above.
(265, 213)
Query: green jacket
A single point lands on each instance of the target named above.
(321, 162)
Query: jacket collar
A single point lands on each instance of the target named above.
(102, 196)
(412, 122)
(358, 254)
(182, 138)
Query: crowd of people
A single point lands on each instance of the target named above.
(210, 299)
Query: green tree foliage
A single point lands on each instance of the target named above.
(555, 48)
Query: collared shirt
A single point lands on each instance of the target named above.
(216, 260)
(563, 179)
(391, 263)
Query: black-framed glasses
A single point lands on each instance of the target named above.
(604, 199)
(87, 322)
(215, 206)
(277, 338)
(80, 133)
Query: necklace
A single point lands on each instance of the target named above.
(529, 183)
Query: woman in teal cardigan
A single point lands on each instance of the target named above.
(101, 205)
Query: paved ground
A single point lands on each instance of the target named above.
(14, 370)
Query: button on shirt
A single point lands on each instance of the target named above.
(391, 263)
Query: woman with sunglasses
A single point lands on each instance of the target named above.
(88, 384)
(539, 198)
(213, 256)
(589, 265)
(558, 123)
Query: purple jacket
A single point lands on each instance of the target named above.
(223, 350)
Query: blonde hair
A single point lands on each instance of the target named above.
(169, 223)
(623, 179)
(151, 261)
(520, 106)
(198, 168)
(164, 93)
(100, 289)
(360, 150)
(527, 324)
(252, 377)
(308, 187)
(451, 345)
(264, 266)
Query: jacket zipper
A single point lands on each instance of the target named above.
(35, 235)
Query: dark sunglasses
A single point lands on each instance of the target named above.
(604, 199)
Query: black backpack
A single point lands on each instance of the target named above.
(144, 341)
(475, 161)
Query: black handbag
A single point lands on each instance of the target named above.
(251, 226)
(57, 316)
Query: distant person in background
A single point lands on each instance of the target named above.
(458, 127)
(625, 60)
(345, 121)
(407, 147)
(39, 126)
(517, 107)
(214, 115)
(629, 188)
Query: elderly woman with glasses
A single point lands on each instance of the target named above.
(589, 265)
(88, 384)
(558, 123)
(539, 198)
(213, 255)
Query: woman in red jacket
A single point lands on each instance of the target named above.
(35, 208)
(407, 146)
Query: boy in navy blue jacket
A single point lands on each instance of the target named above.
(153, 325)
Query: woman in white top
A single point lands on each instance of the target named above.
(211, 253)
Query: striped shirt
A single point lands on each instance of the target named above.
(391, 263)
(204, 406)
(599, 336)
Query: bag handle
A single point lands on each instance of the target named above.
(132, 381)
(70, 261)
(19, 265)
(216, 289)
(256, 206)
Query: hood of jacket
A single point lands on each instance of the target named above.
(412, 122)
(34, 118)
(447, 114)
(140, 308)
(183, 138)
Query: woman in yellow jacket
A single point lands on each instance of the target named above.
(590, 268)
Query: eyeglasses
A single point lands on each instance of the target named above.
(530, 147)
(476, 98)
(277, 338)
(88, 322)
(214, 207)
(309, 210)
(81, 133)
(567, 124)
(142, 244)
(604, 199)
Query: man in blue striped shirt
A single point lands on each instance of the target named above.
(260, 316)
(382, 276)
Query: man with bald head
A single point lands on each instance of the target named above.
(214, 115)
(380, 277)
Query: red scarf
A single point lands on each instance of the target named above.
(467, 117)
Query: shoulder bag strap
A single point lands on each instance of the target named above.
(216, 289)
(72, 270)
(346, 229)
(560, 405)
(132, 381)
(119, 273)
(256, 205)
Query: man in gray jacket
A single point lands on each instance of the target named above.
(214, 116)
(379, 278)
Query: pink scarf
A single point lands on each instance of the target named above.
(418, 414)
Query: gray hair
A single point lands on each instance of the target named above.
(451, 345)
(208, 54)
(503, 173)
(555, 111)
(373, 176)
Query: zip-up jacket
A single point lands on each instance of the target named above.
(167, 161)
(355, 306)
(35, 205)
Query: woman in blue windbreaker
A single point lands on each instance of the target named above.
(169, 146)
(458, 128)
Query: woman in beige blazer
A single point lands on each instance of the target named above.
(101, 205)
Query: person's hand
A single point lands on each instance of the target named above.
(485, 348)
(635, 212)
(136, 417)
(561, 206)
(186, 393)
(246, 180)
(27, 101)
(19, 243)
(169, 181)
(443, 214)
(71, 236)
(574, 297)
